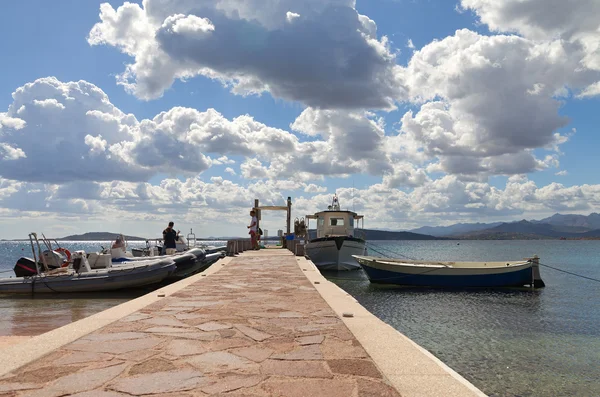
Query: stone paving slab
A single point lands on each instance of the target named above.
(256, 328)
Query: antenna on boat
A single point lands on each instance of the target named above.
(353, 206)
(335, 205)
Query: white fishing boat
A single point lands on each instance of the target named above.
(452, 274)
(337, 240)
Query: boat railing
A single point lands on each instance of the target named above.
(191, 237)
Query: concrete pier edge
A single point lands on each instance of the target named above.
(425, 374)
(15, 356)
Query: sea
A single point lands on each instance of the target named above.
(507, 342)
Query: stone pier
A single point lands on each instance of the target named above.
(264, 323)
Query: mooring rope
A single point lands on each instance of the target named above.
(571, 273)
(372, 247)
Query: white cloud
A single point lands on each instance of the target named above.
(101, 143)
(230, 171)
(329, 57)
(409, 44)
(50, 121)
(49, 104)
(291, 16)
(404, 174)
(8, 152)
(312, 188)
(488, 101)
(220, 201)
(574, 22)
(10, 122)
(189, 24)
(253, 169)
(223, 160)
(355, 142)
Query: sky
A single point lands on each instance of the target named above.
(122, 116)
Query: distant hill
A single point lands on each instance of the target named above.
(526, 230)
(590, 222)
(98, 236)
(570, 226)
(387, 235)
(456, 229)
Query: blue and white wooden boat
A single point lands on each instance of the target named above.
(452, 274)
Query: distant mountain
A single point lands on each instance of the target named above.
(98, 236)
(456, 229)
(531, 230)
(590, 222)
(372, 234)
(385, 235)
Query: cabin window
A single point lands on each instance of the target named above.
(336, 221)
(351, 222)
(321, 222)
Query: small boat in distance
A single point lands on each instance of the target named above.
(337, 240)
(452, 274)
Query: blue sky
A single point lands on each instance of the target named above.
(435, 178)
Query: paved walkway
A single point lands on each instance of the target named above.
(255, 328)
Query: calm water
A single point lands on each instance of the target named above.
(33, 316)
(506, 342)
(542, 343)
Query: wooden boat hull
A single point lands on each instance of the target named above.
(448, 274)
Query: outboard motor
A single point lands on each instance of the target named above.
(25, 267)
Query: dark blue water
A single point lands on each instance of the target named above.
(506, 342)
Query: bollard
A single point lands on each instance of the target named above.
(241, 246)
(299, 249)
(230, 248)
(292, 245)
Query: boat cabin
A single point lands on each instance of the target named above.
(336, 222)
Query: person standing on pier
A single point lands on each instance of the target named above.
(170, 238)
(253, 230)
